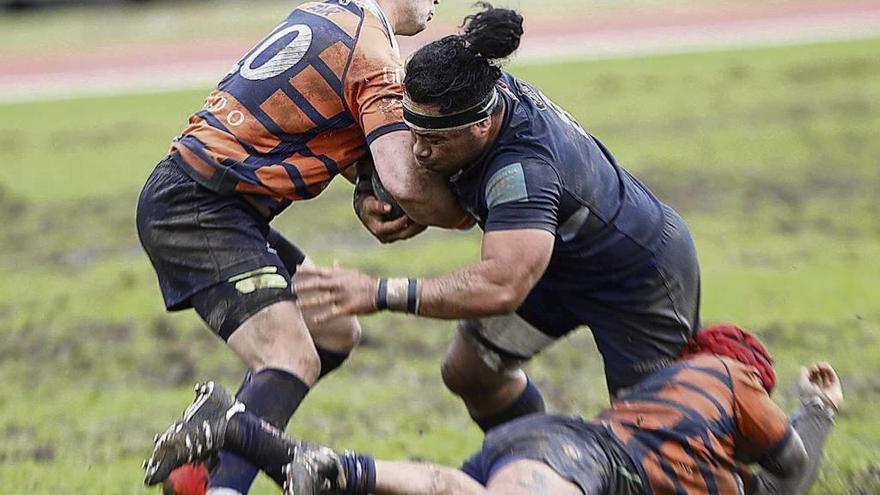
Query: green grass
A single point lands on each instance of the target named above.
(771, 156)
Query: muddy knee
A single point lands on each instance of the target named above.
(472, 369)
(277, 337)
(338, 335)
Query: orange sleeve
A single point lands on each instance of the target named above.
(762, 424)
(374, 82)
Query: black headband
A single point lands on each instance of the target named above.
(458, 120)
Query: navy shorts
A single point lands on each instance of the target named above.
(640, 319)
(212, 252)
(580, 452)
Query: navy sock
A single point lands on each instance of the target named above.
(360, 473)
(273, 395)
(530, 401)
(264, 445)
(248, 376)
(330, 360)
(251, 437)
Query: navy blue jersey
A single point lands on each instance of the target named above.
(545, 172)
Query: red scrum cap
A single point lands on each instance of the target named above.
(726, 339)
(189, 479)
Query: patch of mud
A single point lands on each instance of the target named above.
(737, 72)
(865, 481)
(19, 444)
(41, 454)
(68, 234)
(405, 336)
(691, 190)
(856, 333)
(684, 191)
(83, 347)
(12, 143)
(181, 352)
(175, 367)
(610, 84)
(826, 69)
(11, 207)
(94, 137)
(163, 329)
(817, 185)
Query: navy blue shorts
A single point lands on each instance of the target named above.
(580, 452)
(640, 319)
(212, 252)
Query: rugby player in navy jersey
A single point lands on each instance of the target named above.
(570, 237)
(693, 428)
(319, 94)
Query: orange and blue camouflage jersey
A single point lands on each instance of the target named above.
(693, 427)
(300, 107)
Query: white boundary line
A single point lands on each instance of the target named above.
(706, 38)
(537, 50)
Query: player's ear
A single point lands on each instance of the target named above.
(483, 127)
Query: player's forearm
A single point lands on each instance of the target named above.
(487, 288)
(411, 478)
(425, 196)
(484, 289)
(512, 263)
(812, 423)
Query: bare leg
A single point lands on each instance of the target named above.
(277, 337)
(525, 477)
(485, 392)
(281, 339)
(529, 477)
(277, 347)
(415, 478)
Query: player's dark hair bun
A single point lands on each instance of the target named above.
(493, 33)
(458, 71)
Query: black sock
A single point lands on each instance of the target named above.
(264, 445)
(273, 395)
(330, 360)
(529, 401)
(268, 447)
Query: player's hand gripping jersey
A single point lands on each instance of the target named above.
(686, 426)
(300, 107)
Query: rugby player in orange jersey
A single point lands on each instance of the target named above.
(692, 428)
(318, 94)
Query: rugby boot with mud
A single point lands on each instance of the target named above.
(314, 470)
(198, 436)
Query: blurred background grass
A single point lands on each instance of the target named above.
(771, 155)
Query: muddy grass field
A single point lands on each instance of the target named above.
(771, 156)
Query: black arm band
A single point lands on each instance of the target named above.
(382, 294)
(412, 296)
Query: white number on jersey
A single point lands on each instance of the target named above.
(286, 58)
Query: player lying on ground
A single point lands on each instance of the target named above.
(570, 238)
(691, 428)
(319, 93)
